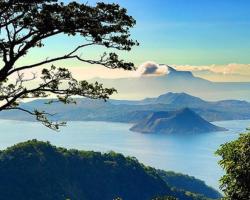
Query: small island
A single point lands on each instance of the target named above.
(182, 122)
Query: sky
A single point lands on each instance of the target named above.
(197, 35)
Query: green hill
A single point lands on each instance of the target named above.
(188, 183)
(38, 170)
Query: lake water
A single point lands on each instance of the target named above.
(191, 154)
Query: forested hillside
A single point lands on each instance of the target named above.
(38, 170)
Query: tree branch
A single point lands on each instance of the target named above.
(67, 56)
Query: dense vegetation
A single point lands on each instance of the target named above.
(188, 183)
(38, 170)
(165, 198)
(236, 162)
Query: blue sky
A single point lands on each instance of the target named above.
(194, 32)
(183, 33)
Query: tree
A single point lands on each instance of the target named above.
(165, 198)
(25, 24)
(236, 162)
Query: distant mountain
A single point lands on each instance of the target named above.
(209, 110)
(175, 74)
(38, 170)
(167, 98)
(176, 99)
(183, 121)
(176, 81)
(135, 111)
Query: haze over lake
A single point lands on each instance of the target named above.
(190, 154)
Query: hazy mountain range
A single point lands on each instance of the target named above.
(135, 111)
(176, 81)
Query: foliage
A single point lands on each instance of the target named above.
(165, 198)
(25, 25)
(188, 183)
(236, 163)
(38, 170)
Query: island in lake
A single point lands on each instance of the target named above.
(182, 121)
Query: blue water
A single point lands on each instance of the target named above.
(191, 154)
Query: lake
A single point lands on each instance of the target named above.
(190, 154)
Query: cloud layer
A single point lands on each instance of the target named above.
(230, 72)
(223, 73)
(148, 68)
(234, 68)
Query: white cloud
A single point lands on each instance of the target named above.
(233, 72)
(229, 69)
(150, 68)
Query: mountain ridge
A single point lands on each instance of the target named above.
(134, 111)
